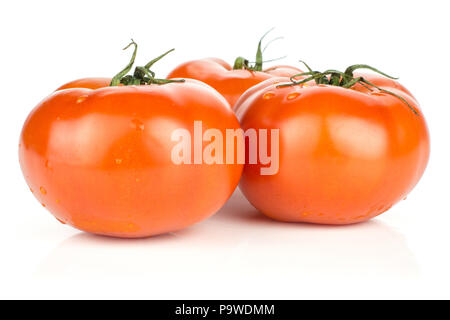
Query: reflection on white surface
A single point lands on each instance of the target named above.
(239, 242)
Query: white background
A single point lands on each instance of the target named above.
(238, 253)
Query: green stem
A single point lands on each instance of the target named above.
(344, 80)
(259, 58)
(116, 79)
(391, 93)
(242, 63)
(142, 75)
(274, 59)
(152, 62)
(349, 71)
(270, 42)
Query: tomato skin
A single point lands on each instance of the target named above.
(100, 160)
(346, 155)
(247, 97)
(230, 83)
(88, 83)
(283, 71)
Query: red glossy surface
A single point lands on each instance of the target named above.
(220, 75)
(346, 155)
(100, 160)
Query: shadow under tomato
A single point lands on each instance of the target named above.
(90, 238)
(240, 243)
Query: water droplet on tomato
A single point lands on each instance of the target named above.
(293, 95)
(81, 98)
(268, 95)
(138, 124)
(43, 191)
(47, 165)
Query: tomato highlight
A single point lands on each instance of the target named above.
(351, 145)
(99, 159)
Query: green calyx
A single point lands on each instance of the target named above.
(142, 75)
(344, 79)
(242, 63)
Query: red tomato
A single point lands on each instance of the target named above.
(100, 160)
(232, 82)
(221, 76)
(345, 154)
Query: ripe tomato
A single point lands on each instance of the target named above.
(231, 82)
(345, 154)
(100, 160)
(221, 76)
(247, 96)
